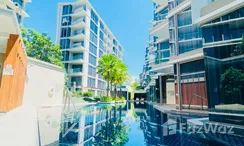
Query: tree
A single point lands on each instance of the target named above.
(232, 85)
(119, 75)
(106, 67)
(41, 47)
(133, 87)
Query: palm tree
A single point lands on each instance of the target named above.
(119, 75)
(133, 87)
(106, 66)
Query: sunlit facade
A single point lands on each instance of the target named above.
(84, 38)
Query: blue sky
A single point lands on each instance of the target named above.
(127, 19)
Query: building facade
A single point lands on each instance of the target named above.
(198, 31)
(222, 24)
(84, 38)
(17, 6)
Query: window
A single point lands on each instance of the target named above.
(77, 56)
(101, 26)
(65, 55)
(66, 21)
(101, 45)
(163, 45)
(65, 32)
(92, 60)
(94, 27)
(92, 71)
(64, 44)
(93, 49)
(101, 35)
(93, 37)
(101, 84)
(94, 17)
(67, 9)
(115, 42)
(77, 80)
(91, 82)
(100, 53)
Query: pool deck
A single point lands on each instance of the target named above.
(173, 108)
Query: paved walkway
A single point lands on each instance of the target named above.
(172, 108)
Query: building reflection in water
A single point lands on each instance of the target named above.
(105, 125)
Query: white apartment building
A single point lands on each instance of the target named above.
(18, 6)
(84, 38)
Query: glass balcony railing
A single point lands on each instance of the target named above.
(82, 31)
(160, 17)
(79, 21)
(80, 44)
(77, 57)
(77, 83)
(76, 70)
(79, 9)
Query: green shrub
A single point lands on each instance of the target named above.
(122, 98)
(116, 99)
(106, 99)
(87, 94)
(78, 94)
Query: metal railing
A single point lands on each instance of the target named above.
(198, 96)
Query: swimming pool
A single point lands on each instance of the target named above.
(129, 124)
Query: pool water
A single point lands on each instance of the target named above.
(129, 124)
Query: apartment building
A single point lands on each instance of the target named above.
(84, 37)
(18, 6)
(222, 25)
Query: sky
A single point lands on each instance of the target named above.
(127, 19)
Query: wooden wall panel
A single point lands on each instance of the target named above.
(192, 88)
(12, 87)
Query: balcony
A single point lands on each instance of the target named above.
(78, 35)
(160, 2)
(75, 72)
(77, 59)
(161, 30)
(79, 12)
(78, 84)
(181, 5)
(79, 23)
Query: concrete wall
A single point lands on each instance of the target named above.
(170, 93)
(44, 84)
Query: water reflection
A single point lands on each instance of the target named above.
(130, 124)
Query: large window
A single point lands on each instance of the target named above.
(101, 45)
(100, 53)
(65, 55)
(67, 9)
(94, 17)
(225, 81)
(101, 35)
(93, 37)
(65, 32)
(92, 71)
(64, 44)
(189, 46)
(94, 27)
(91, 82)
(66, 21)
(101, 84)
(92, 60)
(93, 49)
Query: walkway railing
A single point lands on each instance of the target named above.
(198, 96)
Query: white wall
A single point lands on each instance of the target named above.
(170, 87)
(196, 6)
(44, 84)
